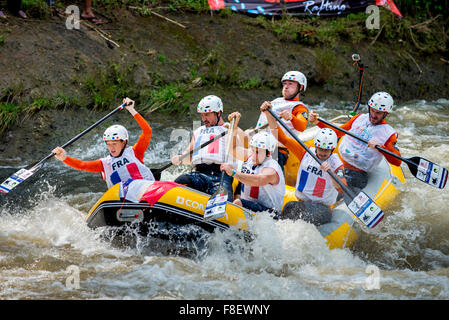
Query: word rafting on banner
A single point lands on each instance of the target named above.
(301, 7)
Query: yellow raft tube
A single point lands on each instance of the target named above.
(383, 187)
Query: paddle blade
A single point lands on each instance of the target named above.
(365, 209)
(216, 205)
(428, 172)
(19, 177)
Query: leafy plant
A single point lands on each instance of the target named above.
(9, 114)
(167, 98)
(36, 8)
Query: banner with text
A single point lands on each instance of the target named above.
(301, 7)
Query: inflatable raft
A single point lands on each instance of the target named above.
(161, 208)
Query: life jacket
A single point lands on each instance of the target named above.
(315, 184)
(357, 153)
(124, 167)
(214, 152)
(279, 105)
(271, 196)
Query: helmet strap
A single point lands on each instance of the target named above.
(219, 114)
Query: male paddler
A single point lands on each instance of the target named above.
(289, 108)
(359, 158)
(207, 161)
(315, 189)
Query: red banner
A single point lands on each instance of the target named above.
(157, 190)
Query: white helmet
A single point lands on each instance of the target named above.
(326, 139)
(296, 76)
(264, 140)
(381, 101)
(115, 132)
(210, 104)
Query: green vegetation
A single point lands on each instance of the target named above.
(40, 9)
(13, 106)
(423, 8)
(9, 114)
(427, 35)
(414, 30)
(327, 64)
(109, 85)
(174, 5)
(168, 99)
(422, 31)
(115, 82)
(36, 8)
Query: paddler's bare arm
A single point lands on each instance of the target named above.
(339, 173)
(176, 160)
(267, 176)
(271, 121)
(237, 148)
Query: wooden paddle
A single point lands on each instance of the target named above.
(421, 168)
(24, 173)
(361, 205)
(216, 205)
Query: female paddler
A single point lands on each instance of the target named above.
(124, 163)
(261, 177)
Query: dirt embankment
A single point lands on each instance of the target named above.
(42, 59)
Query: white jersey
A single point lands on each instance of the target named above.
(315, 184)
(279, 105)
(214, 152)
(271, 196)
(125, 167)
(358, 153)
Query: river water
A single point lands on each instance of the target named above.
(48, 252)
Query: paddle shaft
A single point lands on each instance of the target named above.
(359, 97)
(333, 175)
(413, 163)
(365, 141)
(85, 131)
(23, 174)
(220, 193)
(168, 165)
(228, 149)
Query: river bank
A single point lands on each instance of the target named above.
(168, 60)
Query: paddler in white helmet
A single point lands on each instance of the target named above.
(124, 163)
(207, 161)
(358, 158)
(261, 177)
(315, 189)
(290, 108)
